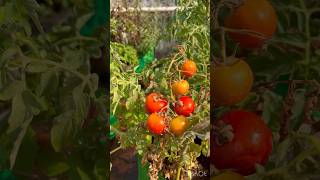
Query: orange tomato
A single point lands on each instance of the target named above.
(180, 87)
(231, 83)
(156, 124)
(189, 68)
(178, 125)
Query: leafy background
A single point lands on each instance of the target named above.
(52, 106)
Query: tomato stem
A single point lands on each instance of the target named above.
(223, 45)
(307, 15)
(179, 171)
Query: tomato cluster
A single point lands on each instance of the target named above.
(240, 138)
(157, 105)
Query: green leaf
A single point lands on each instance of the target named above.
(62, 130)
(49, 82)
(6, 55)
(163, 83)
(272, 105)
(297, 109)
(18, 112)
(74, 58)
(81, 21)
(17, 143)
(52, 164)
(33, 102)
(81, 101)
(131, 101)
(16, 87)
(281, 151)
(95, 82)
(82, 174)
(27, 153)
(36, 68)
(100, 169)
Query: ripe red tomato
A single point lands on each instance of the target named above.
(178, 125)
(155, 102)
(189, 68)
(156, 124)
(251, 143)
(184, 106)
(180, 87)
(231, 83)
(257, 16)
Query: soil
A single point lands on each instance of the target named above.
(124, 164)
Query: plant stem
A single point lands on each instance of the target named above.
(308, 45)
(179, 171)
(223, 45)
(308, 36)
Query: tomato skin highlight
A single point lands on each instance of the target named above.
(178, 125)
(231, 83)
(156, 124)
(257, 16)
(189, 68)
(184, 106)
(180, 87)
(251, 143)
(156, 103)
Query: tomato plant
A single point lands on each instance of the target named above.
(282, 55)
(53, 107)
(173, 152)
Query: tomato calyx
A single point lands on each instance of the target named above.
(223, 133)
(179, 103)
(229, 61)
